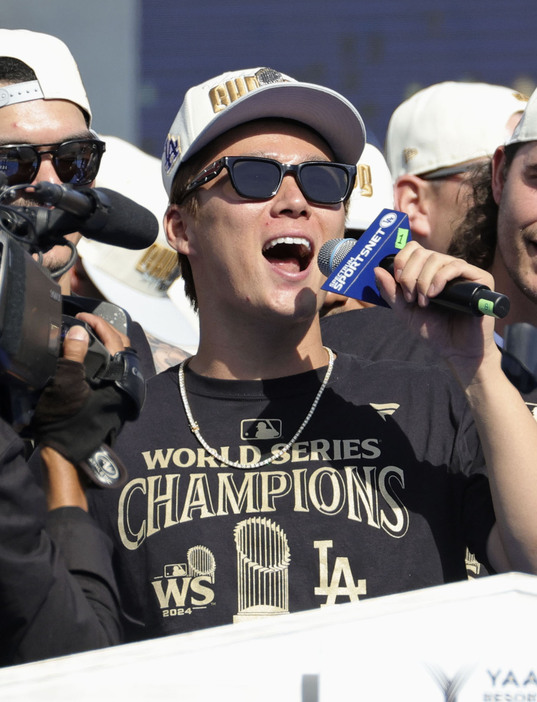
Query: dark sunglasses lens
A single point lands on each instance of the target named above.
(324, 183)
(77, 162)
(19, 164)
(257, 180)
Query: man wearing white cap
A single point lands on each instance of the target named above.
(434, 139)
(45, 122)
(46, 135)
(268, 473)
(499, 232)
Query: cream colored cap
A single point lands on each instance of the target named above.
(58, 77)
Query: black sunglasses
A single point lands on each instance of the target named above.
(322, 182)
(75, 161)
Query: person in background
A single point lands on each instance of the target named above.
(434, 138)
(46, 134)
(45, 125)
(499, 233)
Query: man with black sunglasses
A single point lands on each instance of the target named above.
(269, 474)
(45, 121)
(46, 135)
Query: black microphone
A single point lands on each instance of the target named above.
(98, 213)
(459, 294)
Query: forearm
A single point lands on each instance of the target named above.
(508, 435)
(63, 483)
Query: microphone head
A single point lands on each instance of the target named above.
(332, 253)
(127, 224)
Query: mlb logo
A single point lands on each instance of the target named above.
(261, 429)
(174, 570)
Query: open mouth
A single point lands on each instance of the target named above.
(289, 253)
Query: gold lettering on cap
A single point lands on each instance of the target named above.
(365, 180)
(520, 96)
(225, 94)
(408, 154)
(159, 266)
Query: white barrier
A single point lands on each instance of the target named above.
(473, 640)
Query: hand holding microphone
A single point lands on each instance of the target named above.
(349, 265)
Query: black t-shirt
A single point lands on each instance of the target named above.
(375, 333)
(380, 494)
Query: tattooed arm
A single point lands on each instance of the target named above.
(165, 355)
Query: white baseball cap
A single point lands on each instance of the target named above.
(526, 129)
(58, 77)
(448, 124)
(373, 191)
(145, 283)
(237, 97)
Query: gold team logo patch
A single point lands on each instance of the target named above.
(225, 94)
(409, 154)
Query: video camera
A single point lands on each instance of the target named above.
(34, 316)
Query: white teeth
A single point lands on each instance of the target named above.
(297, 240)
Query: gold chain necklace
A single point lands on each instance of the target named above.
(194, 427)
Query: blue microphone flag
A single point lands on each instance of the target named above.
(353, 275)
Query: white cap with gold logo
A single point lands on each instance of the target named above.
(373, 191)
(447, 124)
(237, 97)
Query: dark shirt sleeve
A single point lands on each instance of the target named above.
(139, 341)
(57, 590)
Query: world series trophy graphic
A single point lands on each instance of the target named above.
(201, 562)
(263, 559)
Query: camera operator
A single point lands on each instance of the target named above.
(56, 582)
(56, 578)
